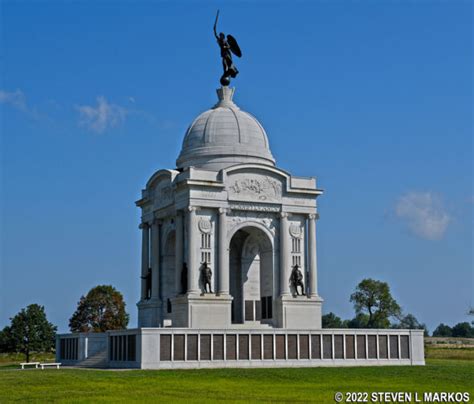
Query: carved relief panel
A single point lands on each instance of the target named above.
(254, 187)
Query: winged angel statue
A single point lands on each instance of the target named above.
(228, 46)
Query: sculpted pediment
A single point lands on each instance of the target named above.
(252, 186)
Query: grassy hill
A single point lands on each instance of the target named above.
(449, 369)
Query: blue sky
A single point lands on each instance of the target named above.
(372, 97)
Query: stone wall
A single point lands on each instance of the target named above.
(153, 348)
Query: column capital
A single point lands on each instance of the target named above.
(143, 225)
(284, 215)
(192, 208)
(223, 211)
(313, 216)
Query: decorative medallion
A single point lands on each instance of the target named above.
(295, 230)
(205, 225)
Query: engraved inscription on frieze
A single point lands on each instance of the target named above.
(253, 187)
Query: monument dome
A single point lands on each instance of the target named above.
(224, 136)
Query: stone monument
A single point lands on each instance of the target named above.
(227, 205)
(229, 274)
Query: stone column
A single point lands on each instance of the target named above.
(155, 260)
(178, 251)
(145, 255)
(223, 252)
(193, 260)
(312, 259)
(284, 256)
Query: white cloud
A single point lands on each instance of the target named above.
(102, 117)
(16, 99)
(424, 214)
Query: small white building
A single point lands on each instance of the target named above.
(229, 270)
(228, 205)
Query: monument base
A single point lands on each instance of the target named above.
(299, 312)
(149, 313)
(192, 348)
(202, 311)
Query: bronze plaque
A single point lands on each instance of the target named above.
(205, 346)
(292, 346)
(231, 347)
(339, 346)
(268, 347)
(280, 346)
(304, 346)
(350, 348)
(393, 347)
(256, 345)
(249, 310)
(178, 347)
(258, 310)
(132, 348)
(315, 347)
(243, 346)
(269, 307)
(192, 347)
(361, 354)
(263, 307)
(383, 347)
(327, 347)
(404, 347)
(218, 347)
(165, 347)
(372, 342)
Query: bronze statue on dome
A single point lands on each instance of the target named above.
(228, 46)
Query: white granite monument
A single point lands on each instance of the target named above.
(229, 274)
(229, 207)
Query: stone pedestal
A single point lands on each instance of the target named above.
(149, 313)
(299, 312)
(202, 311)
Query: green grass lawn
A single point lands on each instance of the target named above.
(230, 385)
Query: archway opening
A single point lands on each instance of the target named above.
(251, 276)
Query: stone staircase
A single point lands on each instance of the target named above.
(96, 360)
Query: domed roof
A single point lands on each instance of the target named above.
(224, 136)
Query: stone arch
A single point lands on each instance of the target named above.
(252, 223)
(252, 273)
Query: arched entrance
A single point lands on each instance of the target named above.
(251, 276)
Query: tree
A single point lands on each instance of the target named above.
(409, 322)
(374, 298)
(30, 331)
(330, 320)
(6, 344)
(443, 330)
(100, 310)
(359, 321)
(463, 330)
